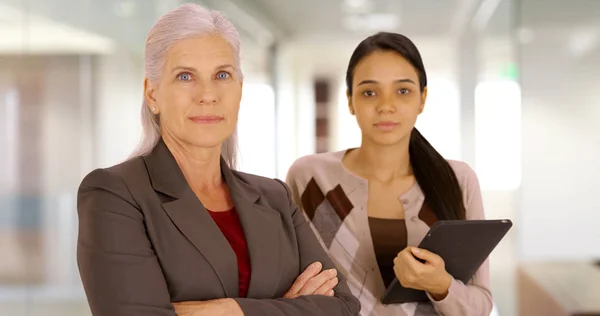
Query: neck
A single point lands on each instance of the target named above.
(382, 162)
(200, 166)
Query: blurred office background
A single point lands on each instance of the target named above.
(513, 91)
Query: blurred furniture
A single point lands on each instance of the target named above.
(559, 289)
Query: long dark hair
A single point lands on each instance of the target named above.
(432, 172)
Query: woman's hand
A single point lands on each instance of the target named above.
(313, 281)
(430, 276)
(219, 307)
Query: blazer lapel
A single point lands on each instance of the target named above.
(191, 218)
(262, 228)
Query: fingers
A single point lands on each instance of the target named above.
(327, 288)
(407, 259)
(416, 275)
(407, 269)
(187, 308)
(407, 277)
(310, 272)
(318, 281)
(427, 255)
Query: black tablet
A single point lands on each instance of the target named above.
(463, 244)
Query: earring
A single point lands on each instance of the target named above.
(154, 110)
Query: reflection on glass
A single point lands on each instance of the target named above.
(498, 135)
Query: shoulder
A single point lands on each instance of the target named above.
(466, 176)
(273, 192)
(464, 173)
(317, 160)
(113, 179)
(265, 186)
(469, 184)
(321, 163)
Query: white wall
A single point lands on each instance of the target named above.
(119, 91)
(559, 207)
(306, 58)
(497, 118)
(256, 130)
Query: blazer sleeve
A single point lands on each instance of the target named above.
(119, 270)
(474, 298)
(343, 303)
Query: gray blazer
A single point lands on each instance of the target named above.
(145, 240)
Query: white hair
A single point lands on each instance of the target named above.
(186, 21)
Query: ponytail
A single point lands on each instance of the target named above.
(436, 178)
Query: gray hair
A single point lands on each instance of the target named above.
(185, 21)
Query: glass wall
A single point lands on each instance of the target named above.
(498, 136)
(559, 62)
(497, 99)
(70, 94)
(513, 93)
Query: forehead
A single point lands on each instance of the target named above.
(384, 66)
(207, 51)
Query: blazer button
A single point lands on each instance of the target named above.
(414, 218)
(404, 201)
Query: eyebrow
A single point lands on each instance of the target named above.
(226, 66)
(396, 81)
(192, 69)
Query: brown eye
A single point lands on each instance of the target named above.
(369, 93)
(403, 91)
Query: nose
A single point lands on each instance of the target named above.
(386, 105)
(206, 93)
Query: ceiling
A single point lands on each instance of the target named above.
(122, 21)
(260, 21)
(127, 21)
(359, 17)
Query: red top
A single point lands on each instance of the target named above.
(230, 226)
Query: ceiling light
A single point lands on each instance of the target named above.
(124, 9)
(525, 35)
(372, 22)
(583, 42)
(356, 3)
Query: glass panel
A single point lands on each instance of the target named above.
(560, 76)
(70, 94)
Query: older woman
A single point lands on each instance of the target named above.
(175, 229)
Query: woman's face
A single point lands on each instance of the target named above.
(385, 97)
(199, 93)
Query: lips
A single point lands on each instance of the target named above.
(206, 119)
(386, 126)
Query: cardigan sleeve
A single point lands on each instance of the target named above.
(473, 298)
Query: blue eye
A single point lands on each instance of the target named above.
(222, 75)
(184, 76)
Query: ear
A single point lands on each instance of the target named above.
(423, 99)
(350, 106)
(149, 95)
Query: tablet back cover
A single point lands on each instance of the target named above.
(464, 245)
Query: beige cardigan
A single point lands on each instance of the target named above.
(335, 202)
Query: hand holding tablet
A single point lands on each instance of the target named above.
(459, 247)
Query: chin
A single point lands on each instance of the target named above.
(207, 136)
(387, 139)
(206, 141)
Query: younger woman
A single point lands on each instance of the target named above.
(372, 205)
